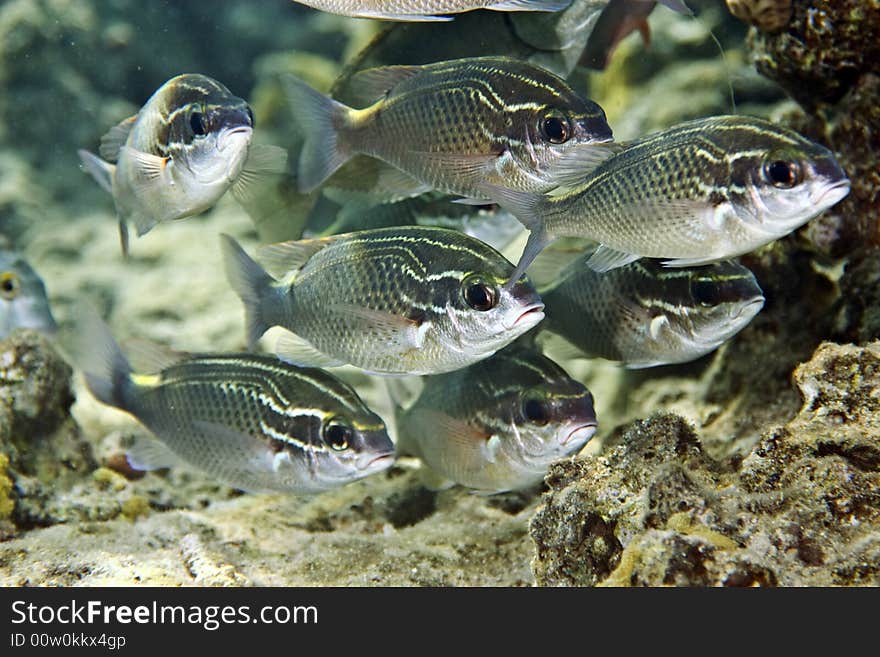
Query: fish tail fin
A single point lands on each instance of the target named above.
(323, 122)
(100, 170)
(251, 283)
(95, 351)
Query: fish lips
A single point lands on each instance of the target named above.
(578, 436)
(371, 463)
(529, 317)
(831, 195)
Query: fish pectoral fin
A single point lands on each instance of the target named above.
(370, 85)
(467, 442)
(573, 166)
(468, 169)
(148, 169)
(472, 201)
(530, 5)
(236, 451)
(151, 454)
(404, 390)
(115, 139)
(535, 243)
(285, 258)
(605, 259)
(295, 349)
(558, 348)
(400, 333)
(261, 168)
(407, 18)
(98, 169)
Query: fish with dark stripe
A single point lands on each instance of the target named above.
(414, 300)
(498, 425)
(644, 314)
(699, 192)
(252, 422)
(186, 147)
(451, 126)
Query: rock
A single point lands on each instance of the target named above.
(803, 509)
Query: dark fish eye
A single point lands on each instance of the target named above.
(338, 435)
(478, 293)
(536, 412)
(198, 123)
(10, 286)
(782, 173)
(705, 292)
(555, 128)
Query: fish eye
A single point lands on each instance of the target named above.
(10, 285)
(555, 128)
(198, 123)
(536, 412)
(705, 292)
(781, 173)
(478, 293)
(338, 435)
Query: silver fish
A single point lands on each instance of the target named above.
(644, 315)
(23, 300)
(426, 10)
(498, 425)
(699, 192)
(452, 126)
(251, 421)
(390, 301)
(186, 147)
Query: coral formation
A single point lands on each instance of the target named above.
(802, 509)
(766, 15)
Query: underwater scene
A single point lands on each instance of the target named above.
(440, 293)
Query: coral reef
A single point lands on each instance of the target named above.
(802, 509)
(766, 15)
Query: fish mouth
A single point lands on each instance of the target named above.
(832, 195)
(229, 137)
(751, 308)
(531, 316)
(375, 463)
(580, 434)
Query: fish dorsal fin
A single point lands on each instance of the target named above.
(573, 166)
(148, 357)
(294, 349)
(115, 139)
(151, 454)
(284, 258)
(370, 85)
(605, 259)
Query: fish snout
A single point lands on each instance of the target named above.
(580, 435)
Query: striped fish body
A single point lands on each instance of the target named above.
(426, 10)
(702, 191)
(392, 301)
(498, 425)
(256, 423)
(644, 315)
(23, 300)
(453, 125)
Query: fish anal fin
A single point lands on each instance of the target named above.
(294, 349)
(606, 258)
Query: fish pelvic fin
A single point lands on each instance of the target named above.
(97, 354)
(251, 283)
(100, 170)
(323, 122)
(529, 5)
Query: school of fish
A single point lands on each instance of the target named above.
(425, 173)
